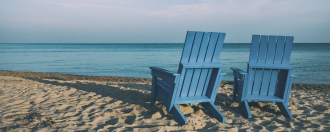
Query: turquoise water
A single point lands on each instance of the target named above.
(310, 62)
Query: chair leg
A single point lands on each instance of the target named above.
(214, 111)
(246, 109)
(153, 91)
(273, 103)
(178, 116)
(284, 109)
(235, 90)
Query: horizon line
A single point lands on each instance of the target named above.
(136, 43)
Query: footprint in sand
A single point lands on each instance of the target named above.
(128, 110)
(112, 121)
(130, 120)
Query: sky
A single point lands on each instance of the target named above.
(160, 21)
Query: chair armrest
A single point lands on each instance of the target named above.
(201, 65)
(164, 74)
(239, 73)
(270, 66)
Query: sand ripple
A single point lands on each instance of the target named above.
(29, 104)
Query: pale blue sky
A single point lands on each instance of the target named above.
(160, 21)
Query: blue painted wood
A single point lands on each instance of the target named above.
(265, 82)
(239, 86)
(235, 88)
(287, 95)
(188, 45)
(238, 73)
(153, 90)
(203, 47)
(218, 47)
(195, 99)
(216, 85)
(194, 82)
(198, 77)
(254, 48)
(212, 109)
(187, 82)
(269, 74)
(187, 48)
(262, 49)
(272, 83)
(257, 82)
(164, 86)
(287, 83)
(279, 49)
(246, 109)
(211, 48)
(201, 65)
(251, 78)
(201, 82)
(196, 47)
(176, 91)
(271, 49)
(287, 50)
(265, 98)
(281, 83)
(207, 81)
(162, 96)
(213, 80)
(284, 109)
(178, 115)
(270, 66)
(243, 88)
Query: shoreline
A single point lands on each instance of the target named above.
(42, 75)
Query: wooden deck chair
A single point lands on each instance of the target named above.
(269, 77)
(198, 77)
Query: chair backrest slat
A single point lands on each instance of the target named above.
(194, 82)
(272, 83)
(271, 49)
(196, 47)
(187, 46)
(279, 50)
(287, 50)
(265, 82)
(262, 49)
(203, 47)
(186, 82)
(218, 48)
(254, 48)
(201, 83)
(257, 82)
(211, 47)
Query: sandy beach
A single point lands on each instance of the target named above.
(31, 101)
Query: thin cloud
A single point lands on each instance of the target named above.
(129, 17)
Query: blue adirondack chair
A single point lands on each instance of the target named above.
(198, 77)
(269, 77)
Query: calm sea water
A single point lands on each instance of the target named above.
(310, 62)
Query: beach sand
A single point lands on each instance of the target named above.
(32, 101)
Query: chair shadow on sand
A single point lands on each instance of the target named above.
(142, 99)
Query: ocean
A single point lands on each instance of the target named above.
(310, 61)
